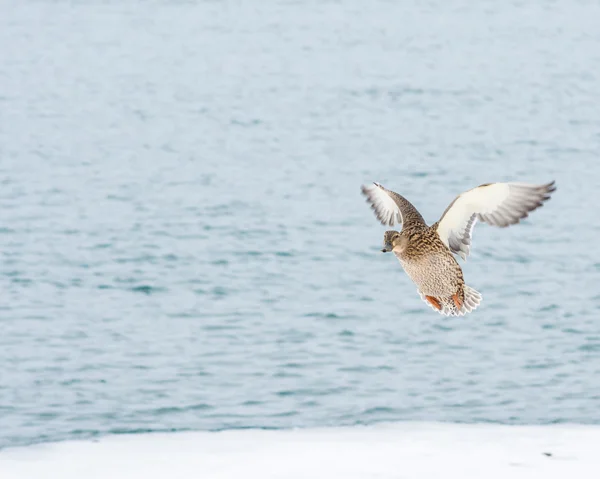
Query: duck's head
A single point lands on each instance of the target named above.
(394, 240)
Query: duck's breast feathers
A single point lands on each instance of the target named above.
(498, 204)
(391, 208)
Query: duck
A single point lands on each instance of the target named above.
(427, 253)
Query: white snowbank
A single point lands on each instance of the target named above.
(412, 450)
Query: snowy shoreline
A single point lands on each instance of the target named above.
(400, 450)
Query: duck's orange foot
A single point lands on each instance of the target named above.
(457, 301)
(434, 302)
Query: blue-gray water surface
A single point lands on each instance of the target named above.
(184, 245)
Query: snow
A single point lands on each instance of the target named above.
(408, 450)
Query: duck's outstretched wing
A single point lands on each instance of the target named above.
(390, 207)
(498, 204)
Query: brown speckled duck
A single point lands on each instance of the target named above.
(426, 252)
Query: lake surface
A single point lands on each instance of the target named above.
(184, 246)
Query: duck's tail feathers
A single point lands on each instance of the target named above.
(448, 306)
(472, 299)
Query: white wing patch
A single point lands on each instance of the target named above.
(386, 209)
(498, 204)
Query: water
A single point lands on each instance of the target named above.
(184, 244)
